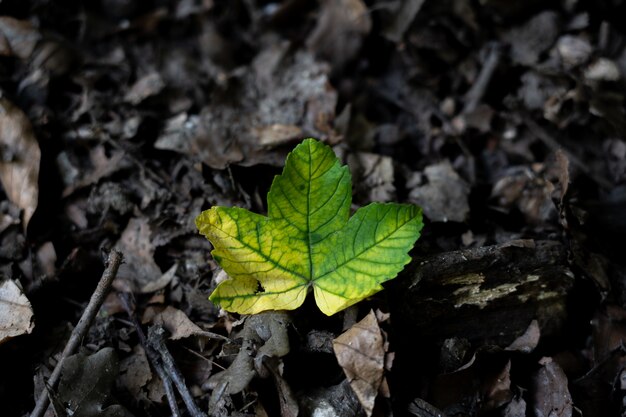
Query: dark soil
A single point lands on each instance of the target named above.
(504, 120)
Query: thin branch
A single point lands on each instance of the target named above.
(153, 357)
(476, 93)
(79, 332)
(155, 338)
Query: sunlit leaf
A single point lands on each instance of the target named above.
(308, 240)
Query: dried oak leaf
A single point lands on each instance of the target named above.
(361, 353)
(86, 383)
(174, 321)
(16, 314)
(19, 165)
(139, 269)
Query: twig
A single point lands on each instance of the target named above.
(476, 93)
(79, 332)
(155, 338)
(153, 357)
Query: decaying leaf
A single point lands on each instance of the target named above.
(533, 37)
(281, 98)
(17, 37)
(139, 268)
(528, 341)
(340, 30)
(145, 87)
(19, 165)
(550, 395)
(373, 176)
(264, 335)
(360, 352)
(86, 382)
(135, 372)
(174, 321)
(16, 314)
(529, 192)
(308, 240)
(441, 192)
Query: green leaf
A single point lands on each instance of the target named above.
(308, 240)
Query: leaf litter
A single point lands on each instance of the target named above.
(128, 119)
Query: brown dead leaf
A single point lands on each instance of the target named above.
(16, 314)
(263, 336)
(47, 258)
(102, 166)
(174, 321)
(527, 191)
(283, 97)
(17, 37)
(19, 165)
(528, 341)
(340, 30)
(373, 176)
(135, 372)
(162, 282)
(86, 384)
(139, 268)
(549, 393)
(441, 192)
(277, 134)
(532, 38)
(361, 354)
(147, 86)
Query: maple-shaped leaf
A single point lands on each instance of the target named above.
(308, 240)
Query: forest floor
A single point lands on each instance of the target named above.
(505, 121)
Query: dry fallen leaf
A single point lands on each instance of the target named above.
(549, 393)
(135, 372)
(373, 176)
(86, 385)
(174, 321)
(16, 313)
(360, 352)
(340, 30)
(528, 341)
(139, 268)
(147, 86)
(17, 37)
(441, 192)
(283, 97)
(19, 165)
(103, 164)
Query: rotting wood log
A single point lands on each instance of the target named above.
(487, 295)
